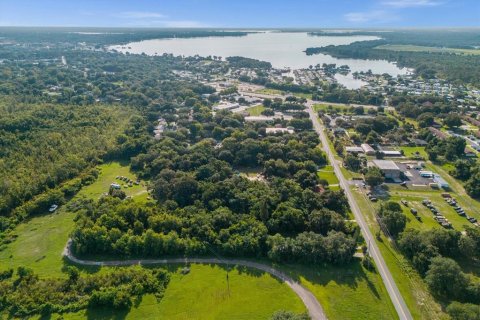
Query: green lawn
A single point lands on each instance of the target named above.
(413, 48)
(203, 294)
(412, 152)
(327, 107)
(270, 91)
(256, 111)
(347, 292)
(40, 244)
(327, 173)
(108, 174)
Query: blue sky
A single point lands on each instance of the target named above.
(241, 13)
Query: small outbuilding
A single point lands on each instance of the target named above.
(367, 149)
(354, 149)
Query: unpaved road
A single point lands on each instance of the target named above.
(314, 308)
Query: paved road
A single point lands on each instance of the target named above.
(311, 303)
(392, 288)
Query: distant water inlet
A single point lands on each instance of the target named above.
(281, 49)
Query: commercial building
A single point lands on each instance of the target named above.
(389, 169)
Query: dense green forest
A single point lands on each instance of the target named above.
(205, 203)
(44, 145)
(23, 294)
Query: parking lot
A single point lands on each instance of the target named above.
(412, 176)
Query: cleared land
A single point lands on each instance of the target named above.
(275, 92)
(108, 174)
(327, 173)
(412, 48)
(413, 152)
(256, 110)
(270, 91)
(203, 294)
(330, 107)
(347, 292)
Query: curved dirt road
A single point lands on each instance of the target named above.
(314, 308)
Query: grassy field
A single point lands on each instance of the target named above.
(415, 197)
(108, 174)
(40, 244)
(256, 110)
(412, 48)
(412, 152)
(336, 107)
(347, 292)
(270, 91)
(203, 294)
(327, 173)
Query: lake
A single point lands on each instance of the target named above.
(281, 49)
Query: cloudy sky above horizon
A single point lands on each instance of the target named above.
(244, 13)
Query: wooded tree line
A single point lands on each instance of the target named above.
(23, 294)
(206, 203)
(465, 38)
(68, 36)
(45, 145)
(433, 252)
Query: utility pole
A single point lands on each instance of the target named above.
(228, 284)
(225, 262)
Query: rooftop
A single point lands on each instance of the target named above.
(385, 164)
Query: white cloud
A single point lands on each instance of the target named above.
(411, 3)
(376, 16)
(139, 15)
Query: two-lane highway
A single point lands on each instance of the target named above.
(395, 296)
